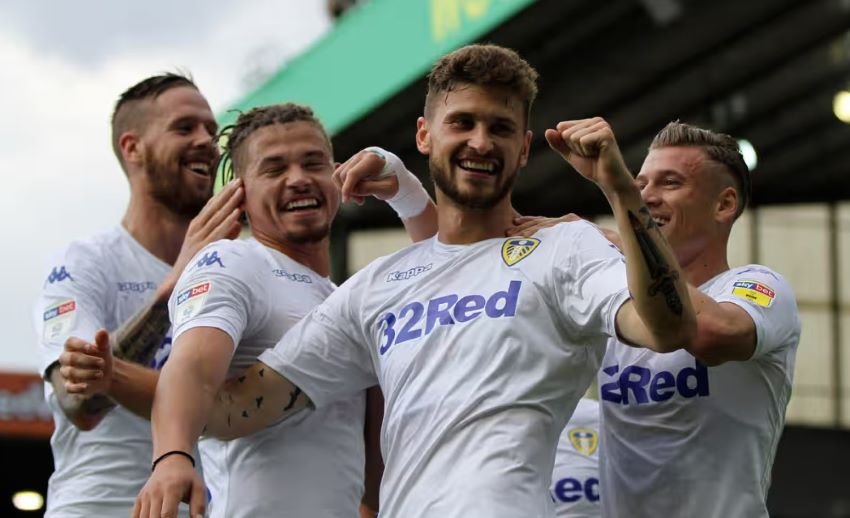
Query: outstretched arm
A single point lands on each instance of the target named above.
(659, 315)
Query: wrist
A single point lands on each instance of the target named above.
(173, 456)
(411, 198)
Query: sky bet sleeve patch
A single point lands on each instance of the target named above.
(190, 301)
(59, 319)
(755, 292)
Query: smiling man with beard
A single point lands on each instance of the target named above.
(162, 135)
(482, 345)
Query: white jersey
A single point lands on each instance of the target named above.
(482, 352)
(96, 283)
(575, 479)
(310, 465)
(683, 439)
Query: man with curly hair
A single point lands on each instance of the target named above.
(238, 297)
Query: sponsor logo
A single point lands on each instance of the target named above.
(58, 274)
(755, 292)
(209, 259)
(294, 277)
(408, 274)
(516, 249)
(636, 385)
(445, 310)
(162, 353)
(571, 489)
(584, 440)
(59, 310)
(194, 291)
(136, 287)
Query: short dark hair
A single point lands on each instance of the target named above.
(249, 122)
(484, 65)
(718, 147)
(127, 113)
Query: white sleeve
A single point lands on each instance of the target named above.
(72, 302)
(327, 353)
(215, 291)
(590, 281)
(769, 300)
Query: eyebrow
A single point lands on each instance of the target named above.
(211, 123)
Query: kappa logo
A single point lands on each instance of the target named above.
(755, 292)
(584, 440)
(408, 274)
(294, 277)
(516, 249)
(194, 291)
(209, 259)
(58, 275)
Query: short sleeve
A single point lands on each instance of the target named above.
(590, 281)
(327, 354)
(215, 291)
(769, 300)
(72, 301)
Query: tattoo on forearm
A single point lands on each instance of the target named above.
(96, 404)
(292, 397)
(663, 276)
(138, 339)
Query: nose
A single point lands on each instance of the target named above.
(297, 178)
(202, 137)
(480, 140)
(650, 195)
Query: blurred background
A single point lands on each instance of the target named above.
(773, 73)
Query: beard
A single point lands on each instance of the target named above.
(308, 234)
(167, 186)
(447, 183)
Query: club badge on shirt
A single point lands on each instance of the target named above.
(191, 300)
(755, 292)
(59, 319)
(584, 440)
(515, 250)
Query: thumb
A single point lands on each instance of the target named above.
(556, 142)
(101, 342)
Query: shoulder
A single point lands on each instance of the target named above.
(754, 283)
(228, 257)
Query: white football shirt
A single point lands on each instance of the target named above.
(575, 480)
(96, 283)
(309, 465)
(482, 352)
(683, 439)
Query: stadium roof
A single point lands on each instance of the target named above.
(765, 70)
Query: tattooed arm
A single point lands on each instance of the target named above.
(659, 315)
(256, 399)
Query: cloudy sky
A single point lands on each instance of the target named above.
(64, 64)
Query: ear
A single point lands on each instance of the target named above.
(131, 147)
(727, 205)
(423, 143)
(526, 149)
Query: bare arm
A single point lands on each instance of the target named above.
(659, 315)
(726, 332)
(379, 173)
(258, 398)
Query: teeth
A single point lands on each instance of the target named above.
(300, 204)
(478, 166)
(659, 221)
(199, 167)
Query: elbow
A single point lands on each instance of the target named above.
(677, 336)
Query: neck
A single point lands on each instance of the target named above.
(704, 264)
(155, 227)
(315, 255)
(460, 225)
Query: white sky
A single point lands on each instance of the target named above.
(64, 64)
